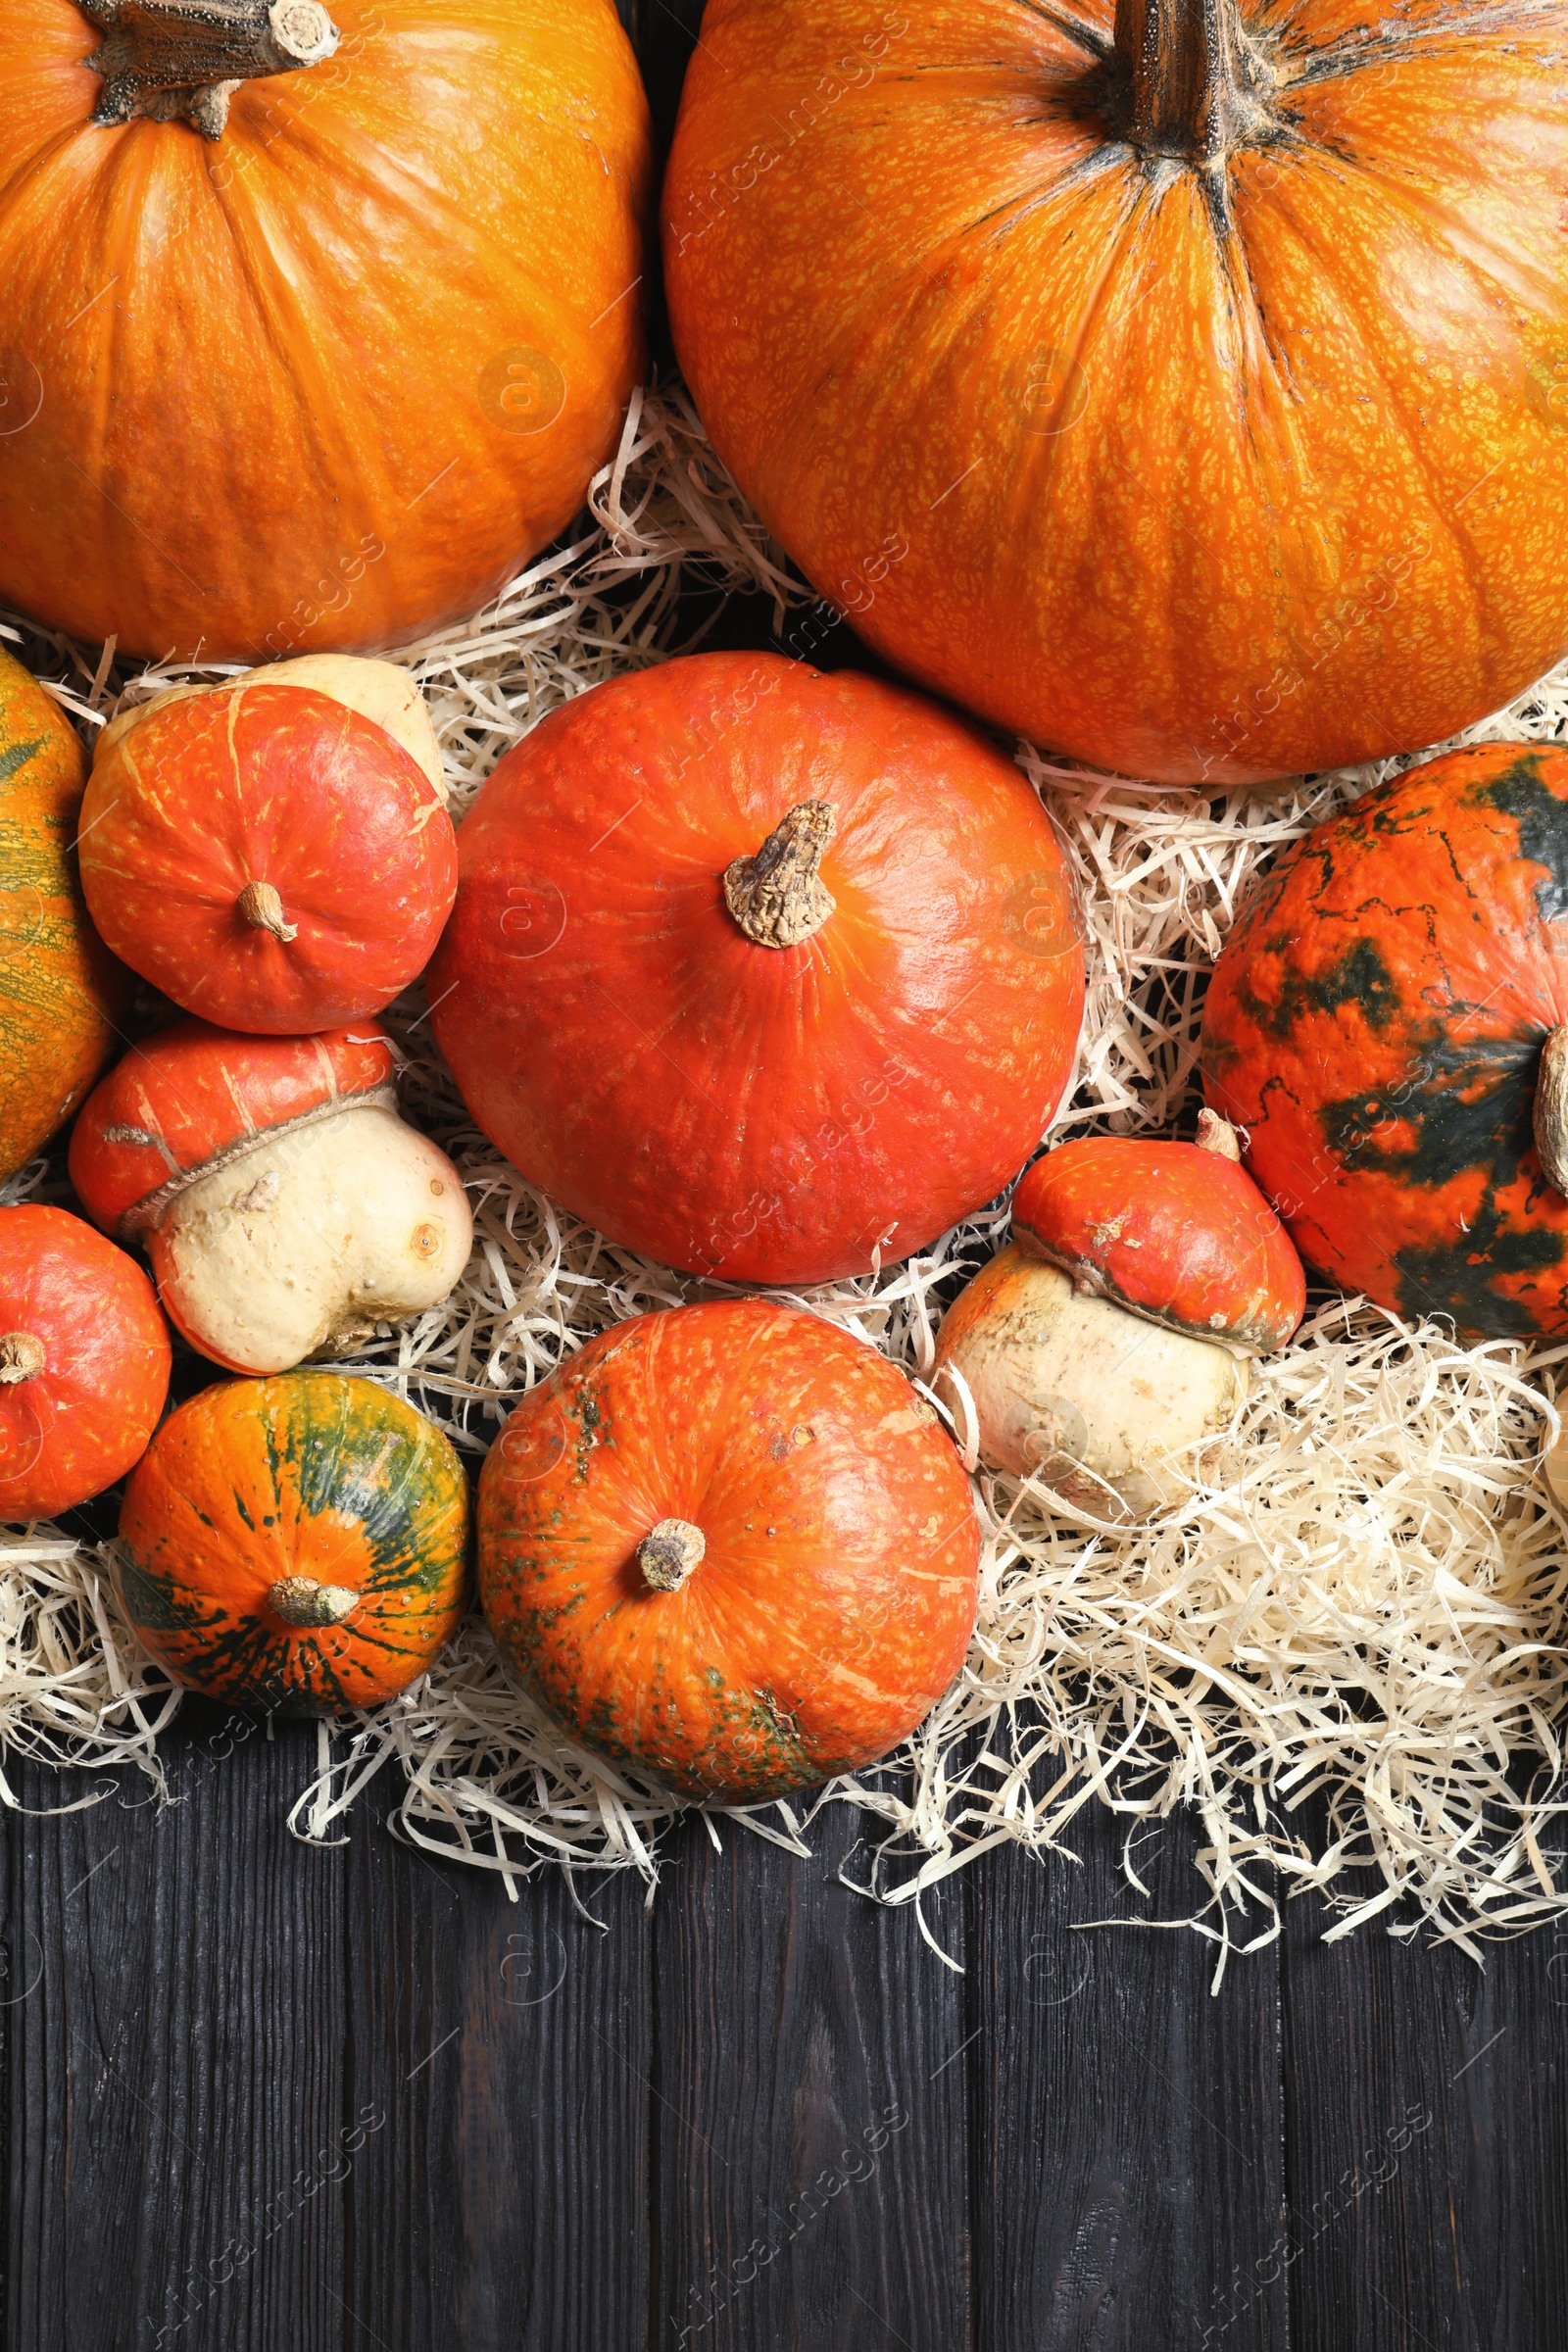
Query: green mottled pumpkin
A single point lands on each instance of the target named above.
(62, 994)
(298, 1542)
(1378, 1023)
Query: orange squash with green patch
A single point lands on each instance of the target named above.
(1389, 1021)
(62, 994)
(730, 1545)
(299, 1544)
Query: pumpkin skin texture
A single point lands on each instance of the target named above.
(313, 1479)
(1206, 441)
(1176, 1233)
(834, 1601)
(762, 1113)
(1376, 1024)
(326, 381)
(268, 859)
(85, 1362)
(62, 994)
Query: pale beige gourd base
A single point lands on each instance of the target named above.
(300, 1247)
(1378, 1584)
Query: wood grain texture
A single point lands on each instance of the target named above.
(1427, 2146)
(1129, 2127)
(175, 2028)
(509, 2046)
(813, 2187)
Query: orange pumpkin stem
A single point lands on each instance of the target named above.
(669, 1553)
(303, 1603)
(22, 1357)
(1552, 1109)
(261, 906)
(777, 898)
(1191, 83)
(185, 58)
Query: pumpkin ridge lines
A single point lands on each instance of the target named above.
(1399, 42)
(1077, 29)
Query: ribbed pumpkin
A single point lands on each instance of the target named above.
(1380, 1022)
(326, 376)
(83, 1363)
(298, 1542)
(62, 994)
(757, 970)
(732, 1545)
(1208, 359)
(267, 857)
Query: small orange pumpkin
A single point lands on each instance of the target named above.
(298, 1542)
(83, 1363)
(267, 857)
(731, 1545)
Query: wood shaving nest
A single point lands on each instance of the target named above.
(1359, 1601)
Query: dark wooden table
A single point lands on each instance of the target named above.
(270, 2098)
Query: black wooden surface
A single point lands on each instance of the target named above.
(264, 2096)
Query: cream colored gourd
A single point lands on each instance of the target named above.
(300, 1247)
(377, 690)
(1104, 1405)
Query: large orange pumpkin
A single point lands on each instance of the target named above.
(1207, 360)
(299, 1542)
(327, 374)
(757, 970)
(1382, 1020)
(731, 1545)
(62, 994)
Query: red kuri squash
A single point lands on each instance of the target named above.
(1387, 1020)
(731, 1545)
(320, 359)
(83, 1363)
(267, 857)
(299, 1544)
(1208, 359)
(757, 970)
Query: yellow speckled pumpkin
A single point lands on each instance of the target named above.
(60, 991)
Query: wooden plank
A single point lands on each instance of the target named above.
(501, 2057)
(1428, 2142)
(175, 2029)
(812, 2184)
(1129, 2127)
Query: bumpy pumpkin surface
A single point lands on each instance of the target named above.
(1203, 365)
(270, 860)
(324, 377)
(62, 994)
(757, 970)
(83, 1361)
(1376, 1022)
(298, 1542)
(830, 1594)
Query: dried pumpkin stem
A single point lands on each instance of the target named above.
(301, 1601)
(184, 59)
(669, 1553)
(1219, 1136)
(1552, 1109)
(22, 1357)
(261, 906)
(1190, 84)
(777, 898)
